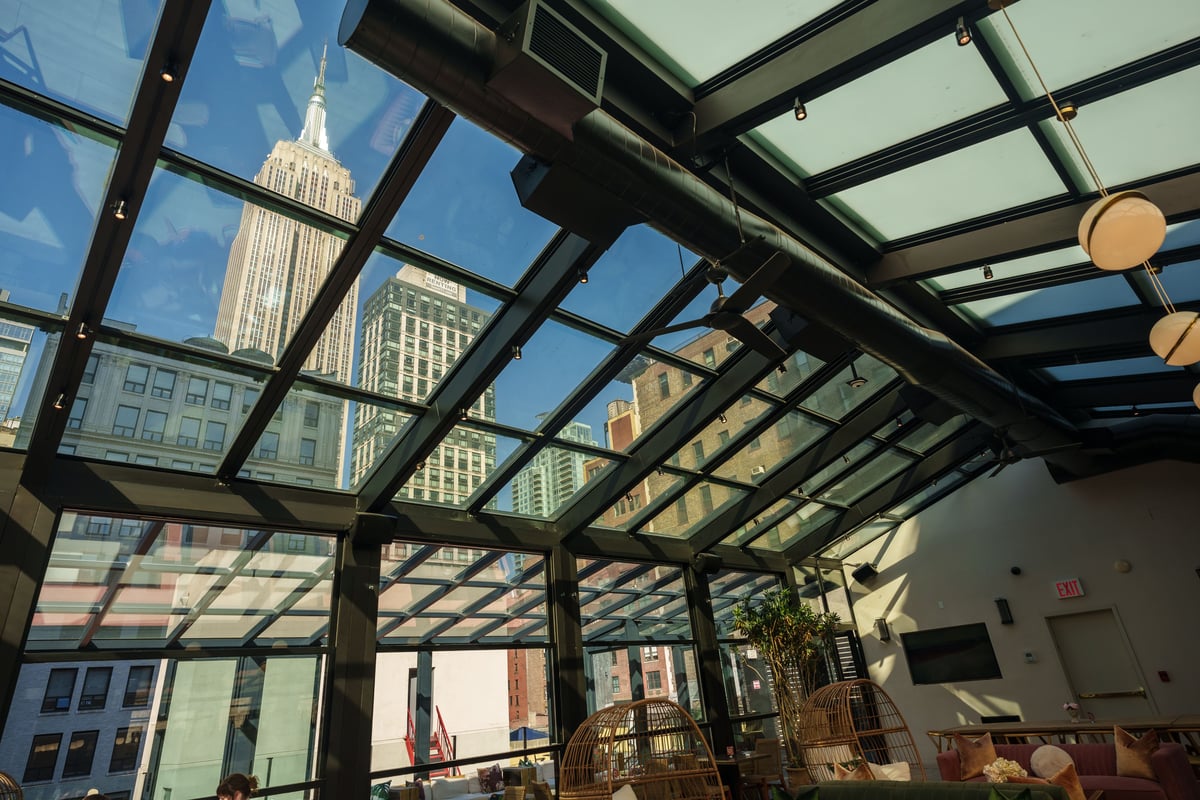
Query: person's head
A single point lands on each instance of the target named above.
(237, 787)
(95, 794)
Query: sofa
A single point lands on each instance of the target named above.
(466, 787)
(1096, 765)
(921, 790)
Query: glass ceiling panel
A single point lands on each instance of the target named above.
(945, 190)
(837, 398)
(729, 587)
(1127, 137)
(1013, 268)
(721, 434)
(551, 478)
(373, 427)
(1182, 281)
(935, 491)
(622, 601)
(481, 224)
(461, 464)
(696, 39)
(45, 228)
(191, 271)
(1182, 234)
(1109, 369)
(632, 275)
(799, 524)
(428, 591)
(758, 458)
(22, 380)
(86, 53)
(848, 461)
(554, 361)
(1080, 297)
(772, 512)
(866, 477)
(153, 409)
(619, 513)
(690, 512)
(928, 436)
(1074, 39)
(305, 441)
(246, 102)
(858, 538)
(928, 88)
(116, 582)
(799, 366)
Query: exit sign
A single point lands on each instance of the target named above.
(1068, 587)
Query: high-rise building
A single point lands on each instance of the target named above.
(15, 338)
(414, 327)
(277, 264)
(553, 475)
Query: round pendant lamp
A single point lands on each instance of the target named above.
(1176, 338)
(1122, 230)
(1196, 395)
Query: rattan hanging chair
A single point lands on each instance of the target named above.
(854, 721)
(9, 788)
(653, 746)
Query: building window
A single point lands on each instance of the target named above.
(706, 501)
(129, 528)
(78, 409)
(649, 654)
(89, 372)
(197, 391)
(137, 687)
(136, 376)
(297, 542)
(189, 432)
(154, 425)
(164, 384)
(268, 445)
(249, 398)
(698, 452)
(98, 526)
(126, 422)
(722, 438)
(95, 687)
(222, 395)
(308, 451)
(710, 359)
(681, 512)
(755, 443)
(214, 435)
(80, 752)
(654, 681)
(685, 377)
(43, 755)
(664, 385)
(312, 414)
(125, 749)
(614, 658)
(59, 689)
(616, 681)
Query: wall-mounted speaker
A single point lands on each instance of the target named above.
(707, 563)
(881, 630)
(1005, 612)
(864, 573)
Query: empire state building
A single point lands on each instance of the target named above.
(277, 264)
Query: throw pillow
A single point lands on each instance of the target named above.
(491, 779)
(1133, 755)
(626, 792)
(860, 773)
(380, 791)
(974, 754)
(1068, 779)
(1048, 759)
(896, 771)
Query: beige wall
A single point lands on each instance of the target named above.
(947, 565)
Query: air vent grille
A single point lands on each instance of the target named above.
(556, 43)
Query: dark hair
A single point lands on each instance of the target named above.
(237, 782)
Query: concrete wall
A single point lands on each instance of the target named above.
(947, 565)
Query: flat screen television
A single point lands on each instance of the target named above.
(950, 655)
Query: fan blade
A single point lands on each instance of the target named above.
(646, 336)
(999, 468)
(745, 331)
(766, 275)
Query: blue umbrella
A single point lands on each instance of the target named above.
(524, 734)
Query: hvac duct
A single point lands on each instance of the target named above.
(449, 56)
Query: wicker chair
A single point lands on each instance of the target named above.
(768, 768)
(9, 788)
(854, 721)
(653, 746)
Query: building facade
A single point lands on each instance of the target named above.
(553, 475)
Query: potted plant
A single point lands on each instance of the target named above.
(792, 639)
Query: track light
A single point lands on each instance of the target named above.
(1068, 110)
(782, 368)
(583, 278)
(60, 402)
(168, 73)
(856, 381)
(628, 497)
(420, 466)
(722, 419)
(120, 209)
(987, 272)
(83, 331)
(799, 109)
(462, 413)
(962, 34)
(516, 352)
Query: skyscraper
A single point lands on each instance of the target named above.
(553, 475)
(276, 264)
(414, 327)
(15, 338)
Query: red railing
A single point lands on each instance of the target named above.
(441, 746)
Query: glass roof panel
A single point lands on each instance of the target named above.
(866, 477)
(928, 88)
(758, 458)
(837, 398)
(767, 516)
(550, 479)
(928, 436)
(1109, 369)
(249, 105)
(1182, 234)
(847, 462)
(481, 224)
(692, 509)
(729, 587)
(23, 387)
(798, 366)
(613, 414)
(632, 275)
(859, 537)
(722, 434)
(1012, 167)
(803, 521)
(1013, 268)
(696, 39)
(305, 441)
(446, 481)
(1097, 294)
(373, 427)
(553, 363)
(1182, 281)
(83, 53)
(932, 493)
(46, 227)
(190, 270)
(627, 602)
(1127, 137)
(1070, 40)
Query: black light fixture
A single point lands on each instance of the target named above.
(962, 34)
(799, 110)
(1068, 110)
(722, 419)
(987, 272)
(1006, 617)
(583, 276)
(82, 331)
(60, 402)
(120, 209)
(856, 381)
(516, 352)
(420, 466)
(628, 497)
(462, 413)
(881, 630)
(168, 72)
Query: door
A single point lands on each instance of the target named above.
(1100, 666)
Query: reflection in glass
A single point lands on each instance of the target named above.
(728, 587)
(622, 674)
(867, 476)
(792, 434)
(627, 602)
(850, 388)
(691, 510)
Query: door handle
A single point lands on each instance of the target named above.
(1138, 692)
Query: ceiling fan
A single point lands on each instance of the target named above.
(1004, 455)
(727, 313)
